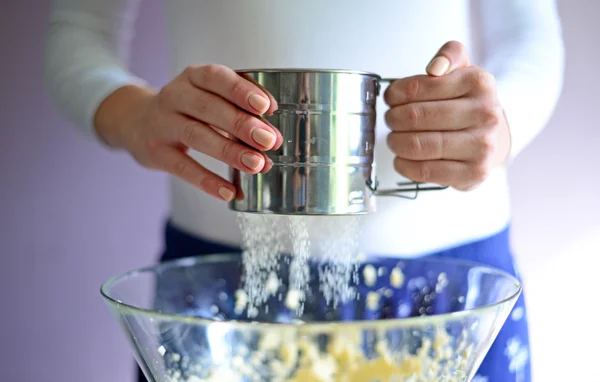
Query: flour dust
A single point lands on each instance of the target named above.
(263, 245)
(319, 247)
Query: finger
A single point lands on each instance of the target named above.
(214, 110)
(273, 106)
(460, 175)
(435, 116)
(236, 179)
(227, 84)
(279, 140)
(182, 166)
(268, 164)
(456, 145)
(426, 88)
(221, 132)
(452, 55)
(202, 138)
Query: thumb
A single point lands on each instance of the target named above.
(451, 56)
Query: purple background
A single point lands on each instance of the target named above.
(72, 214)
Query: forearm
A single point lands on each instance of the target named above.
(525, 52)
(85, 58)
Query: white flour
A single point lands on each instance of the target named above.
(338, 251)
(262, 241)
(301, 254)
(328, 242)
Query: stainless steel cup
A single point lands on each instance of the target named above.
(325, 165)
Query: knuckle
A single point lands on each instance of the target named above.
(483, 80)
(487, 143)
(175, 96)
(241, 121)
(414, 146)
(167, 94)
(458, 47)
(454, 45)
(207, 183)
(420, 172)
(424, 173)
(180, 168)
(213, 70)
(190, 135)
(443, 142)
(413, 88)
(490, 114)
(416, 171)
(414, 114)
(227, 151)
(208, 72)
(238, 90)
(189, 71)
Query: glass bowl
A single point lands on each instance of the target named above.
(410, 320)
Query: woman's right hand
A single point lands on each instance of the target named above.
(200, 109)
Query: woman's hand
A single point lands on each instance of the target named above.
(447, 127)
(200, 109)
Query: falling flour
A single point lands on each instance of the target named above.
(328, 243)
(262, 241)
(338, 254)
(299, 267)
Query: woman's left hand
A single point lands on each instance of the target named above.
(447, 127)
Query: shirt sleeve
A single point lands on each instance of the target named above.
(86, 54)
(524, 50)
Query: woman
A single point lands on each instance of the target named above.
(457, 125)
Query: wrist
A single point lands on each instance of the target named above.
(118, 115)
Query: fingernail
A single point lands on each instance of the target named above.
(226, 193)
(252, 161)
(438, 66)
(263, 137)
(258, 102)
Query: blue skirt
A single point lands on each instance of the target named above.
(508, 359)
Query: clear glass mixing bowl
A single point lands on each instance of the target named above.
(422, 320)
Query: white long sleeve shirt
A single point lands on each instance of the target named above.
(518, 41)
